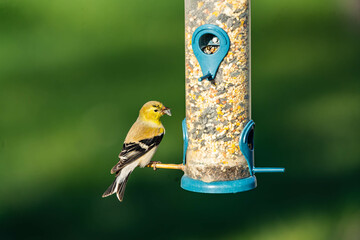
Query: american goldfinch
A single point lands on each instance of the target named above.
(140, 145)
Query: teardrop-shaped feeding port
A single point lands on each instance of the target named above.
(210, 44)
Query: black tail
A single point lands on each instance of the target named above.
(120, 190)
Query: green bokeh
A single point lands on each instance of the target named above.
(73, 75)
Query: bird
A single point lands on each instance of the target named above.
(140, 145)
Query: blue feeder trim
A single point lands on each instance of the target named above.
(234, 186)
(245, 141)
(185, 138)
(268, 170)
(210, 63)
(247, 148)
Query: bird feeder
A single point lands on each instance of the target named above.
(218, 130)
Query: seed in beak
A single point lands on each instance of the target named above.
(166, 111)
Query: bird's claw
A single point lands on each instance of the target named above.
(153, 163)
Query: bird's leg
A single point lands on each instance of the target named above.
(153, 163)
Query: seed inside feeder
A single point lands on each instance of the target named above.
(209, 43)
(216, 114)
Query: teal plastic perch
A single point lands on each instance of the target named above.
(268, 170)
(247, 148)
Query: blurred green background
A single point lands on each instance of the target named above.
(73, 75)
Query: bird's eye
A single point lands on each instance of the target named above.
(155, 110)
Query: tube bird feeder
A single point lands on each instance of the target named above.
(218, 130)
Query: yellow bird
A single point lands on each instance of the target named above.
(140, 145)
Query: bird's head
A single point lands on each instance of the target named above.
(153, 110)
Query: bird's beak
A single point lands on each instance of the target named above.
(166, 111)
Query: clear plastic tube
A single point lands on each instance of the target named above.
(218, 110)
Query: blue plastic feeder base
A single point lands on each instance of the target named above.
(234, 186)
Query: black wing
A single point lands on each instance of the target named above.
(134, 150)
